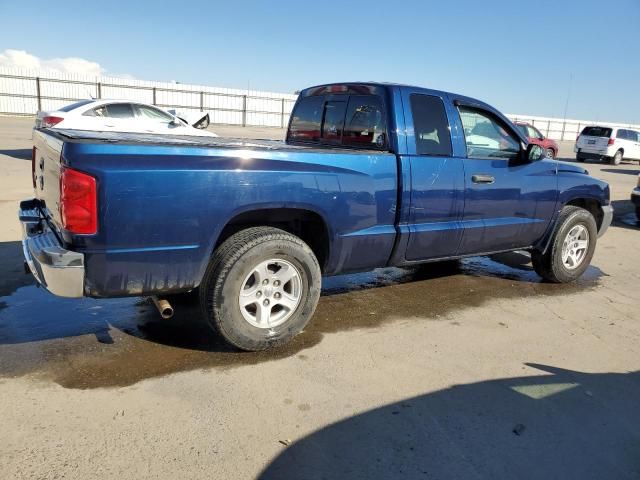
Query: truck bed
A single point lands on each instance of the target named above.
(163, 201)
(124, 138)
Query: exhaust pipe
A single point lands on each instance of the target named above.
(164, 307)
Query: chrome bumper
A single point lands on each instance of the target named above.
(59, 270)
(607, 218)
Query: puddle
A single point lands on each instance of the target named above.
(86, 343)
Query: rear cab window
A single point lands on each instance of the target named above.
(349, 119)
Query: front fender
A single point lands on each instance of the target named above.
(576, 187)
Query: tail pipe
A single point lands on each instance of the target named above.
(164, 307)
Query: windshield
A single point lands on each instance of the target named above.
(523, 129)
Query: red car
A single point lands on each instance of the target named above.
(535, 137)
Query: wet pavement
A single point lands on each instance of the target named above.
(87, 343)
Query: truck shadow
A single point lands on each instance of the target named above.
(625, 215)
(87, 343)
(562, 424)
(18, 153)
(621, 171)
(614, 169)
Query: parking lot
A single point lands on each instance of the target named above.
(476, 370)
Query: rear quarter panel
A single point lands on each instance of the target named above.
(162, 208)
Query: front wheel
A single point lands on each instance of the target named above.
(571, 249)
(260, 288)
(549, 153)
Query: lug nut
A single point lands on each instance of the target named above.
(265, 282)
(276, 283)
(266, 303)
(258, 293)
(277, 295)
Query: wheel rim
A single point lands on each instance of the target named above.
(270, 293)
(549, 153)
(575, 247)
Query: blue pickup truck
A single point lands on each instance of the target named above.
(370, 175)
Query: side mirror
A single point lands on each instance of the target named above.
(175, 122)
(534, 153)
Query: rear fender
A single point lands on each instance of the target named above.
(215, 238)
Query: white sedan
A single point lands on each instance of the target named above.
(117, 116)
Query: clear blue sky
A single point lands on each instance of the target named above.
(518, 56)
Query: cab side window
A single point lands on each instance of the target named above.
(120, 110)
(430, 125)
(486, 136)
(150, 113)
(112, 110)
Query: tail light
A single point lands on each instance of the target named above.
(78, 202)
(34, 153)
(611, 141)
(48, 122)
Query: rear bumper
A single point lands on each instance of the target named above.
(607, 218)
(59, 270)
(591, 155)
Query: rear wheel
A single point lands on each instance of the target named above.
(571, 249)
(260, 288)
(549, 153)
(617, 158)
(579, 158)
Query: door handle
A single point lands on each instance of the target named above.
(481, 178)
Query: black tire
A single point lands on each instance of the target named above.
(617, 158)
(227, 271)
(550, 265)
(549, 153)
(638, 214)
(579, 159)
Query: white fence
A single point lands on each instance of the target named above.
(25, 92)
